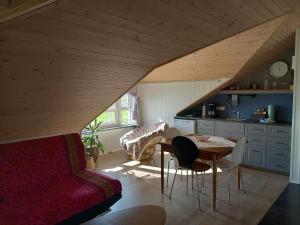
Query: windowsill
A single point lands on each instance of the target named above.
(117, 127)
(112, 128)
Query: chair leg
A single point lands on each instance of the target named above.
(192, 180)
(181, 175)
(173, 183)
(187, 182)
(202, 184)
(243, 184)
(228, 186)
(198, 189)
(168, 171)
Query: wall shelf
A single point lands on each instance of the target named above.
(257, 91)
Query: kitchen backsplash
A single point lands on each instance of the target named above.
(247, 104)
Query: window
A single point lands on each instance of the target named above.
(120, 113)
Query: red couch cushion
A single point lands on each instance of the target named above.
(29, 166)
(38, 184)
(60, 201)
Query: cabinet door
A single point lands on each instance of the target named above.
(279, 165)
(234, 127)
(279, 154)
(279, 131)
(227, 134)
(185, 126)
(280, 142)
(256, 129)
(256, 140)
(205, 132)
(206, 124)
(256, 156)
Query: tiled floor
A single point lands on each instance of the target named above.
(286, 209)
(141, 186)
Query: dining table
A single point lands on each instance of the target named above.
(210, 148)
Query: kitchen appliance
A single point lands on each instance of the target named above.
(211, 110)
(259, 113)
(204, 111)
(271, 113)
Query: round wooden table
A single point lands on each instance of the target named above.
(140, 215)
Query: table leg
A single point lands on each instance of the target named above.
(214, 199)
(239, 177)
(162, 168)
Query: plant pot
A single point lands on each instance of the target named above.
(90, 164)
(92, 152)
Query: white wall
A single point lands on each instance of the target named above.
(295, 153)
(161, 101)
(111, 138)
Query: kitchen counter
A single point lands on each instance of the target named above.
(279, 123)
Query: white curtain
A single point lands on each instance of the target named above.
(136, 114)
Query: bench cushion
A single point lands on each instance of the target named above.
(45, 181)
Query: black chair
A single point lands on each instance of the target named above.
(186, 153)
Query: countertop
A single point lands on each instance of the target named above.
(278, 123)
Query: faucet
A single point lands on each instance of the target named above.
(237, 114)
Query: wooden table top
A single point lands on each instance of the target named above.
(214, 144)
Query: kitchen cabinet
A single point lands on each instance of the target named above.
(256, 152)
(229, 129)
(185, 126)
(268, 146)
(205, 127)
(279, 148)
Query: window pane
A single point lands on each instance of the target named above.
(125, 101)
(125, 117)
(108, 117)
(112, 107)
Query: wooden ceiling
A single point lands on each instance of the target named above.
(221, 60)
(64, 64)
(280, 41)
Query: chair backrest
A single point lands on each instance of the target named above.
(172, 132)
(238, 151)
(185, 151)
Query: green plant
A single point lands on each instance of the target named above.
(90, 139)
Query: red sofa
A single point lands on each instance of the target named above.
(45, 181)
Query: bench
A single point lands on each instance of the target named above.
(45, 181)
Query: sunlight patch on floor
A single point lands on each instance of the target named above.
(131, 163)
(115, 169)
(155, 168)
(142, 174)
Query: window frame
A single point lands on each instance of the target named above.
(118, 109)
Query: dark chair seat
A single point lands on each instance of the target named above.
(186, 152)
(200, 167)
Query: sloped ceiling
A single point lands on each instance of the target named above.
(279, 42)
(221, 60)
(64, 64)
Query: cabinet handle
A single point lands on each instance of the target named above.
(279, 154)
(279, 166)
(255, 150)
(280, 131)
(280, 143)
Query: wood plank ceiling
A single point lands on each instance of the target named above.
(62, 65)
(221, 60)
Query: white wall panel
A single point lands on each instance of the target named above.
(295, 154)
(161, 101)
(111, 138)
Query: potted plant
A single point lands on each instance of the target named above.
(91, 141)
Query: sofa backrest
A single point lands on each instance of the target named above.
(32, 165)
